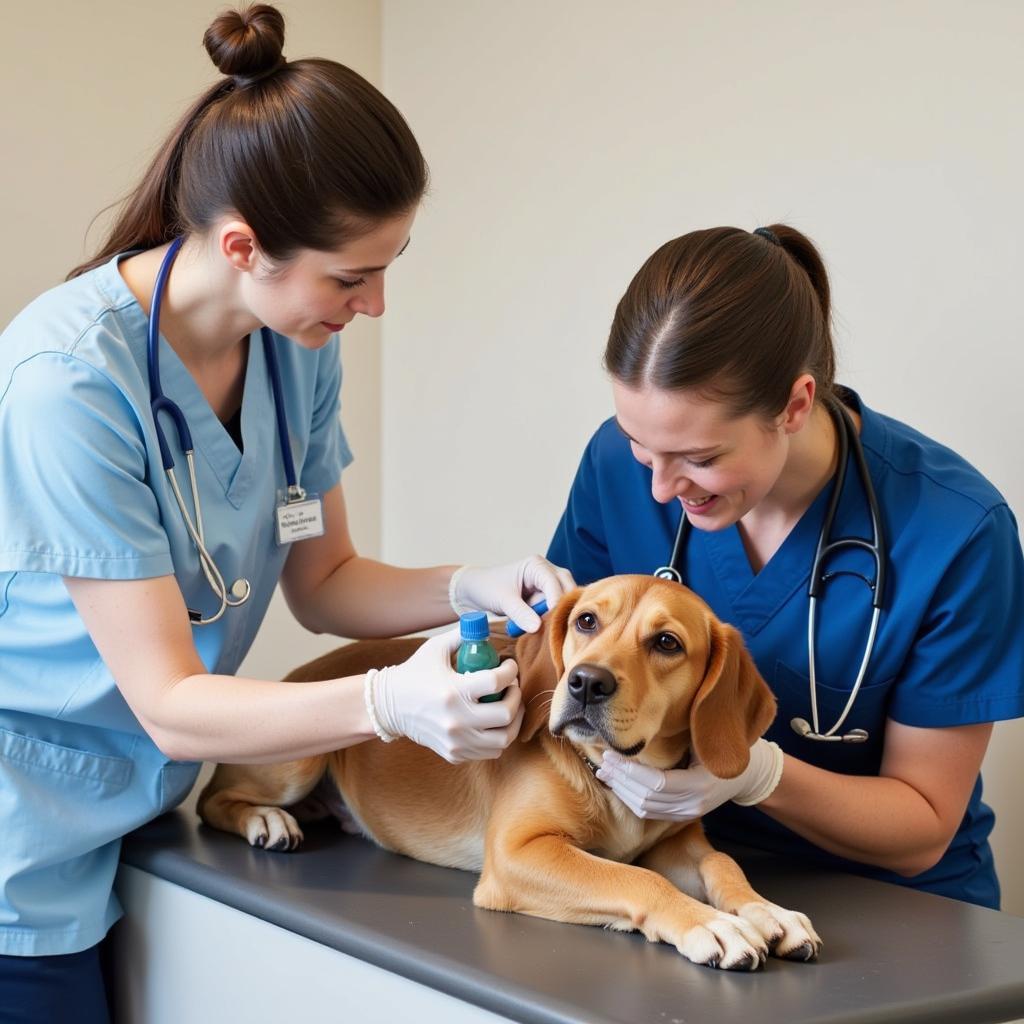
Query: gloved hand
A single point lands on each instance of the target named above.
(509, 589)
(425, 699)
(682, 794)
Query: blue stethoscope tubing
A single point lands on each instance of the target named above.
(848, 441)
(160, 403)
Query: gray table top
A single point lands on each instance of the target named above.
(890, 954)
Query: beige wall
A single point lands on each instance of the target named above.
(87, 92)
(567, 140)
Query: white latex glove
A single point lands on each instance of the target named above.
(509, 589)
(682, 794)
(425, 699)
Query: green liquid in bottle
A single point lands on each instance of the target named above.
(476, 652)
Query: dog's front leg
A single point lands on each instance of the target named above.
(691, 862)
(250, 800)
(547, 876)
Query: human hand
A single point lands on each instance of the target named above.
(683, 794)
(426, 700)
(509, 589)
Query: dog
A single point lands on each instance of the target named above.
(634, 663)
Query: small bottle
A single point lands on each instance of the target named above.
(476, 652)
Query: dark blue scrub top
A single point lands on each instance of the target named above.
(949, 650)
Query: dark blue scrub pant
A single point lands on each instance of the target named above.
(67, 989)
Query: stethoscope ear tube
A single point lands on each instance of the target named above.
(240, 589)
(855, 735)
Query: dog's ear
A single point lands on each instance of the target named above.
(733, 706)
(558, 626)
(539, 656)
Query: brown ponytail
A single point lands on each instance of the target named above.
(732, 313)
(307, 152)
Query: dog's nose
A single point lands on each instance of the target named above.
(591, 684)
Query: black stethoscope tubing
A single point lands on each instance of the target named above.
(848, 440)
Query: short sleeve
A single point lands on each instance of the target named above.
(328, 453)
(579, 541)
(967, 663)
(74, 475)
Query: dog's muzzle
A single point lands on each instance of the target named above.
(590, 689)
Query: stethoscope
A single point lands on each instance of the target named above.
(848, 439)
(159, 402)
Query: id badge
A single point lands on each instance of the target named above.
(299, 518)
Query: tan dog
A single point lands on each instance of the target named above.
(631, 662)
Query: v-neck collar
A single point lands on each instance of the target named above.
(757, 597)
(235, 471)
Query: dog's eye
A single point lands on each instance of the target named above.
(667, 643)
(587, 622)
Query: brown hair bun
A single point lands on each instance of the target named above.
(312, 157)
(246, 43)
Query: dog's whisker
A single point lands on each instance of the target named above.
(541, 694)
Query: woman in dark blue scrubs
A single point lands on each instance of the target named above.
(722, 365)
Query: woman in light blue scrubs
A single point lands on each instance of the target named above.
(721, 361)
(294, 186)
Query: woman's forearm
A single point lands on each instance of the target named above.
(364, 598)
(872, 819)
(251, 721)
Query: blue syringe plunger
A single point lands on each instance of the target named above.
(540, 608)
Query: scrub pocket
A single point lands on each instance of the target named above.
(62, 811)
(176, 781)
(793, 690)
(29, 755)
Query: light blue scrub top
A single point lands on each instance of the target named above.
(84, 494)
(949, 650)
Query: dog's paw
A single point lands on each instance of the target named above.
(789, 934)
(271, 828)
(726, 941)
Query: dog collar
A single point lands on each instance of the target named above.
(683, 763)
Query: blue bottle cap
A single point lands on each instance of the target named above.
(473, 626)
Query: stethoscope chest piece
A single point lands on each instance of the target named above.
(666, 572)
(803, 728)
